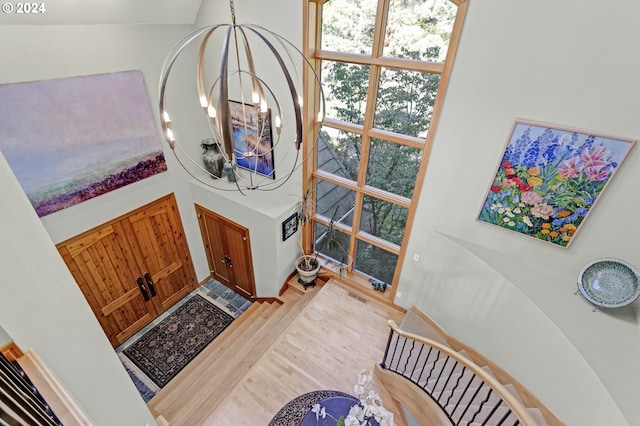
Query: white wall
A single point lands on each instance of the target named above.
(272, 258)
(280, 16)
(72, 342)
(261, 211)
(45, 309)
(4, 337)
(42, 308)
(570, 63)
(46, 52)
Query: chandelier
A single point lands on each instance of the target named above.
(255, 118)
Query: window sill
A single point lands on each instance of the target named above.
(330, 269)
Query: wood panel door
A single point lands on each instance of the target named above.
(102, 264)
(228, 249)
(212, 228)
(133, 268)
(161, 253)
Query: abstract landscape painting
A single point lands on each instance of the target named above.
(549, 179)
(72, 139)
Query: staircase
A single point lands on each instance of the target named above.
(440, 380)
(183, 402)
(307, 340)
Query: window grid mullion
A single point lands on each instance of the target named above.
(384, 61)
(374, 76)
(376, 62)
(380, 25)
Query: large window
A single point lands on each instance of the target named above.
(383, 65)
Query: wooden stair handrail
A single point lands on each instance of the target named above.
(519, 410)
(63, 404)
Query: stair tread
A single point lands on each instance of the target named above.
(236, 360)
(413, 324)
(444, 378)
(201, 375)
(239, 326)
(298, 288)
(240, 365)
(452, 400)
(537, 415)
(512, 390)
(239, 355)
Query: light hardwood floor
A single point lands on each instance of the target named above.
(332, 338)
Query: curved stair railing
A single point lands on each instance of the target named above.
(465, 392)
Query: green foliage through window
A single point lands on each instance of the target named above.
(388, 144)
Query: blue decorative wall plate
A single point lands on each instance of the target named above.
(609, 283)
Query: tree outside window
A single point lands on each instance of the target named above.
(381, 79)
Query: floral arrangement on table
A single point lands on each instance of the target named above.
(369, 407)
(549, 179)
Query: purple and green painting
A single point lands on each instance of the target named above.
(549, 179)
(72, 139)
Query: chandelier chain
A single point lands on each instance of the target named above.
(233, 12)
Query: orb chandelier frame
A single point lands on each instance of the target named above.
(237, 73)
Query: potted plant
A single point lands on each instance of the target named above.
(307, 265)
(331, 241)
(308, 268)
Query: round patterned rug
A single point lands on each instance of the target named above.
(295, 410)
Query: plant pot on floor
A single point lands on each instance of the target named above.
(307, 268)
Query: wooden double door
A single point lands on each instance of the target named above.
(228, 251)
(133, 268)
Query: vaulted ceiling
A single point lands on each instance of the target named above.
(99, 12)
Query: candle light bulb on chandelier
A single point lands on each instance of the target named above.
(170, 139)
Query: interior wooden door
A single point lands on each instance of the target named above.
(240, 263)
(212, 229)
(228, 250)
(161, 252)
(100, 262)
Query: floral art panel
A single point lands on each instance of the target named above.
(549, 179)
(71, 139)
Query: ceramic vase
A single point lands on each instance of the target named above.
(212, 157)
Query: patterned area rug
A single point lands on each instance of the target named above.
(295, 410)
(175, 341)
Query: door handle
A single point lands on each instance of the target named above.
(152, 288)
(143, 289)
(227, 261)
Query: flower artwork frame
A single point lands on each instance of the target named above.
(247, 121)
(549, 179)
